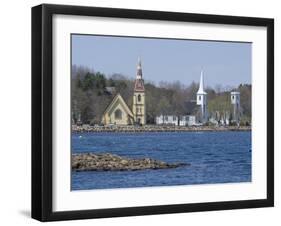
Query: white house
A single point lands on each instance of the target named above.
(167, 120)
(187, 120)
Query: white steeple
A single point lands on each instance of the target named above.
(201, 85)
(202, 100)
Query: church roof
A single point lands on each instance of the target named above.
(110, 89)
(118, 98)
(139, 85)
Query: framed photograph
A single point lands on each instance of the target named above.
(146, 112)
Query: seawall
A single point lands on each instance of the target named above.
(154, 128)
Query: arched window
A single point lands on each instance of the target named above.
(199, 97)
(139, 98)
(118, 114)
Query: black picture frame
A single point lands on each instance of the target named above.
(42, 107)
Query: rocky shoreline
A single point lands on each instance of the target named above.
(154, 128)
(111, 162)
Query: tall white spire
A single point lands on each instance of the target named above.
(201, 85)
(202, 100)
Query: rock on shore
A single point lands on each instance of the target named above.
(111, 162)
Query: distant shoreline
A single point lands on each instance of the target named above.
(157, 128)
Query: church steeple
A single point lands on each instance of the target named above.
(139, 84)
(202, 100)
(139, 97)
(201, 85)
(139, 69)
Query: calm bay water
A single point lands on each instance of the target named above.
(215, 157)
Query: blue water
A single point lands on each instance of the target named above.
(215, 157)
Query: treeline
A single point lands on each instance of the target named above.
(93, 91)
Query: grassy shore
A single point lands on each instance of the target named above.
(157, 128)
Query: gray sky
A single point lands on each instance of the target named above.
(225, 63)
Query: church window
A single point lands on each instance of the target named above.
(199, 97)
(139, 98)
(118, 114)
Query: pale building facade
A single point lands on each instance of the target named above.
(167, 120)
(118, 112)
(185, 120)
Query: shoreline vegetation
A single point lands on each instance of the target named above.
(111, 162)
(92, 91)
(157, 128)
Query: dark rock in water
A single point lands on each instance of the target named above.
(111, 162)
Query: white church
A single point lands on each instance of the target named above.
(188, 120)
(201, 101)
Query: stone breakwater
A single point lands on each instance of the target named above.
(154, 128)
(111, 162)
